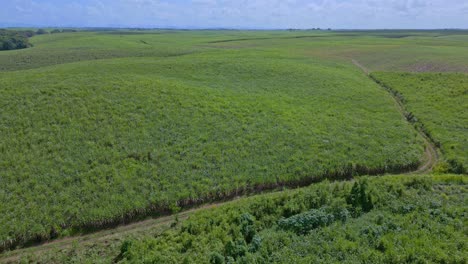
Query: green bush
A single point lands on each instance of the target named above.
(41, 31)
(10, 39)
(216, 258)
(360, 197)
(303, 223)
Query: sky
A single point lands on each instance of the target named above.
(243, 14)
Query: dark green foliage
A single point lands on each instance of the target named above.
(216, 258)
(250, 242)
(360, 197)
(41, 32)
(69, 30)
(247, 227)
(124, 248)
(303, 223)
(236, 249)
(26, 33)
(456, 166)
(419, 183)
(10, 39)
(255, 244)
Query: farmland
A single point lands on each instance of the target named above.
(439, 103)
(110, 127)
(414, 51)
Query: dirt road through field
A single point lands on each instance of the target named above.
(430, 153)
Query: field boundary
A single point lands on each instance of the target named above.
(431, 155)
(103, 235)
(346, 172)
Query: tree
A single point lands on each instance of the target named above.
(27, 33)
(8, 45)
(360, 198)
(69, 30)
(10, 39)
(41, 32)
(216, 258)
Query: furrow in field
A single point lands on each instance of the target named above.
(430, 153)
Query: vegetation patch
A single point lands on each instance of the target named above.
(412, 219)
(12, 39)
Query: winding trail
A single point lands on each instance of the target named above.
(103, 237)
(430, 153)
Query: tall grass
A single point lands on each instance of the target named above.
(97, 143)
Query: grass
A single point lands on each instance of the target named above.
(412, 219)
(438, 102)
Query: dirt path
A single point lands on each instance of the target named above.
(360, 66)
(430, 153)
(431, 157)
(103, 236)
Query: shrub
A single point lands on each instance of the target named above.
(247, 227)
(216, 258)
(303, 223)
(41, 32)
(10, 39)
(360, 198)
(236, 249)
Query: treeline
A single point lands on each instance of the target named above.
(55, 31)
(19, 39)
(12, 39)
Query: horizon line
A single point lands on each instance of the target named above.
(223, 28)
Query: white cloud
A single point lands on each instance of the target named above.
(241, 13)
